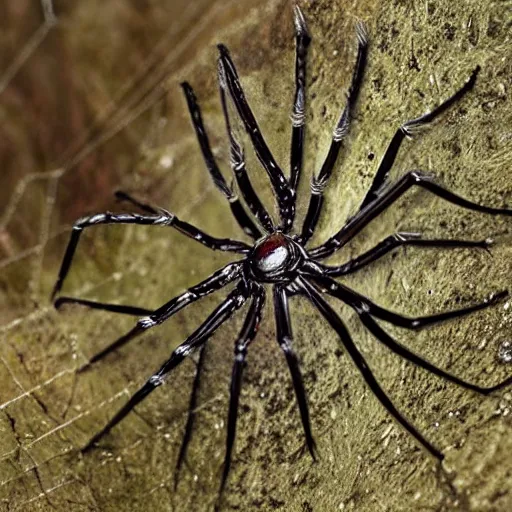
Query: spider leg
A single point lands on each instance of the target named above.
(234, 301)
(387, 198)
(191, 231)
(191, 415)
(216, 281)
(311, 293)
(408, 129)
(161, 219)
(353, 299)
(402, 351)
(319, 183)
(237, 160)
(285, 338)
(302, 40)
(113, 308)
(279, 183)
(246, 336)
(398, 240)
(237, 209)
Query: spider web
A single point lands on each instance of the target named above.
(75, 132)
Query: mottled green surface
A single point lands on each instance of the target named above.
(94, 69)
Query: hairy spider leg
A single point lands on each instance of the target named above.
(302, 40)
(315, 297)
(279, 183)
(408, 129)
(237, 161)
(399, 239)
(386, 198)
(319, 183)
(246, 336)
(214, 282)
(191, 416)
(161, 219)
(221, 313)
(237, 209)
(353, 298)
(285, 339)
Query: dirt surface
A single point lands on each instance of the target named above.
(91, 103)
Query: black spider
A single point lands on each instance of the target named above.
(280, 258)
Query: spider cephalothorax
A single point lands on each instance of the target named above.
(275, 259)
(281, 258)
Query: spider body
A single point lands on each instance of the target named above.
(275, 259)
(282, 260)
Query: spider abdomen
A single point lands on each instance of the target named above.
(274, 258)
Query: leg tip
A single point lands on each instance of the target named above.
(58, 302)
(88, 447)
(496, 297)
(472, 79)
(189, 92)
(313, 451)
(85, 367)
(361, 33)
(301, 28)
(224, 52)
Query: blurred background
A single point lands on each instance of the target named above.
(90, 103)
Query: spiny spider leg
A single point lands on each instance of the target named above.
(386, 198)
(191, 415)
(113, 308)
(392, 242)
(353, 299)
(247, 334)
(225, 310)
(237, 209)
(314, 296)
(407, 130)
(161, 219)
(302, 40)
(285, 339)
(404, 352)
(319, 183)
(279, 182)
(237, 160)
(216, 281)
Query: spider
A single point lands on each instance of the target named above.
(280, 257)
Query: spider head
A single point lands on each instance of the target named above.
(275, 258)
